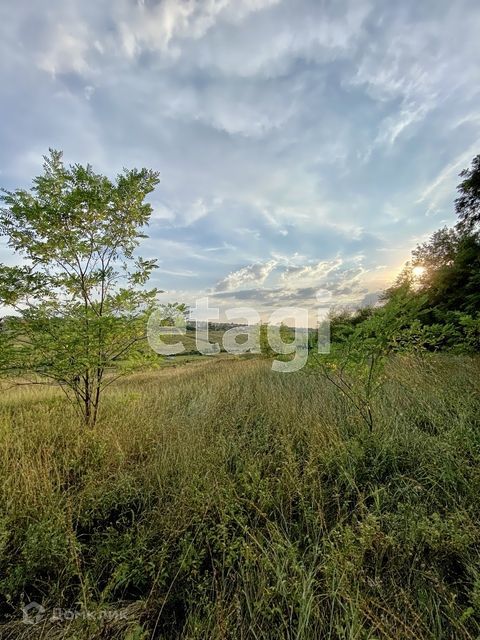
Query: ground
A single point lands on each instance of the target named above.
(219, 499)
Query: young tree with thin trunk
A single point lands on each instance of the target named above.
(80, 301)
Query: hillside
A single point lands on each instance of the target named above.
(223, 500)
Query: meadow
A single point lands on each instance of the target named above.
(221, 500)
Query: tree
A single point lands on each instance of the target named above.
(362, 343)
(80, 298)
(266, 349)
(467, 205)
(439, 251)
(456, 287)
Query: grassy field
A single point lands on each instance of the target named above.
(189, 340)
(221, 500)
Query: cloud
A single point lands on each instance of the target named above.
(308, 273)
(311, 285)
(443, 184)
(300, 144)
(252, 273)
(66, 52)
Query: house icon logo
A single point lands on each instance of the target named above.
(33, 613)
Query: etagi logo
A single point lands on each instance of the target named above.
(162, 323)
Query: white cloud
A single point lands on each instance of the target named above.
(414, 61)
(67, 51)
(341, 278)
(443, 185)
(337, 281)
(310, 274)
(393, 126)
(295, 132)
(256, 273)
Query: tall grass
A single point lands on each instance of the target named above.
(227, 501)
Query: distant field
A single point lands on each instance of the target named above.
(189, 341)
(221, 500)
(191, 353)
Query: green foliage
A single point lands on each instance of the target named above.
(467, 205)
(451, 282)
(207, 509)
(80, 299)
(440, 309)
(286, 336)
(435, 309)
(265, 348)
(435, 303)
(172, 314)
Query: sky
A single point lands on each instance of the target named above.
(304, 146)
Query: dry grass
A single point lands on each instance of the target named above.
(227, 501)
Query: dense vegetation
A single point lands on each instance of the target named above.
(435, 303)
(227, 501)
(222, 500)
